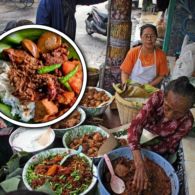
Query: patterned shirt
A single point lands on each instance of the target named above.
(151, 117)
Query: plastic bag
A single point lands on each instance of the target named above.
(184, 66)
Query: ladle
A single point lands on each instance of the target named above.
(72, 154)
(117, 184)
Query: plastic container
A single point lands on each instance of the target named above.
(125, 152)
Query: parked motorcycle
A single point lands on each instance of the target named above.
(96, 22)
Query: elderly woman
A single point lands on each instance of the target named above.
(145, 63)
(166, 114)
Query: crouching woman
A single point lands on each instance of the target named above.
(167, 115)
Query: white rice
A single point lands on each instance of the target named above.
(25, 112)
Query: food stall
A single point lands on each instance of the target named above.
(101, 118)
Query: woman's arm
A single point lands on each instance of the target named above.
(140, 179)
(156, 81)
(134, 133)
(124, 77)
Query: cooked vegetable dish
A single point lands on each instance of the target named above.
(90, 143)
(72, 178)
(43, 74)
(93, 98)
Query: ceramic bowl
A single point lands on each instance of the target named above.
(95, 111)
(60, 132)
(28, 139)
(36, 159)
(79, 132)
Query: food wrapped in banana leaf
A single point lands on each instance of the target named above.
(131, 89)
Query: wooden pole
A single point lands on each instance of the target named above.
(118, 42)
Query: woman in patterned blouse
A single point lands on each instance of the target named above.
(166, 114)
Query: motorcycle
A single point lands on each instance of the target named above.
(96, 22)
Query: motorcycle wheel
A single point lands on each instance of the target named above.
(87, 26)
(29, 3)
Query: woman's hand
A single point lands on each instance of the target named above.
(140, 179)
(156, 81)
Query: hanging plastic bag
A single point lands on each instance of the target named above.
(184, 66)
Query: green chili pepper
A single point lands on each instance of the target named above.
(46, 69)
(64, 79)
(17, 37)
(68, 86)
(5, 109)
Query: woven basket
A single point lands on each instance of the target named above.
(128, 109)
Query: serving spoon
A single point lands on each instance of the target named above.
(76, 152)
(117, 184)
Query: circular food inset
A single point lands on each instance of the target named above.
(42, 76)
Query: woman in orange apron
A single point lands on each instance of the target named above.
(145, 63)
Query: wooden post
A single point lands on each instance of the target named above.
(118, 42)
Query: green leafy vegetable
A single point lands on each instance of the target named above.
(46, 188)
(10, 184)
(14, 161)
(76, 175)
